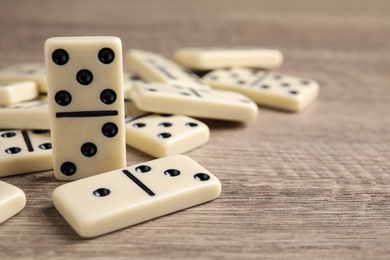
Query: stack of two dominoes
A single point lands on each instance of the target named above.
(85, 96)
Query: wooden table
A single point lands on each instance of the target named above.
(314, 184)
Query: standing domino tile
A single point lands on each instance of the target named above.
(165, 134)
(25, 151)
(86, 104)
(266, 88)
(154, 67)
(26, 115)
(14, 92)
(26, 71)
(12, 201)
(207, 103)
(216, 58)
(114, 200)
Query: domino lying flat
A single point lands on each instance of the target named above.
(165, 134)
(128, 79)
(131, 110)
(15, 92)
(114, 200)
(85, 78)
(12, 201)
(24, 152)
(207, 103)
(266, 88)
(26, 115)
(216, 58)
(154, 67)
(26, 71)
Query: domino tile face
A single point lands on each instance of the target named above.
(164, 134)
(266, 88)
(154, 67)
(25, 151)
(216, 58)
(12, 201)
(26, 71)
(15, 92)
(206, 103)
(26, 115)
(86, 103)
(114, 200)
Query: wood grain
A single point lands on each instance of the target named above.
(299, 186)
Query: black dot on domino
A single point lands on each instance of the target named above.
(201, 177)
(143, 168)
(109, 129)
(165, 124)
(294, 92)
(63, 98)
(108, 96)
(13, 150)
(8, 135)
(84, 77)
(106, 55)
(101, 192)
(164, 135)
(191, 124)
(134, 77)
(285, 84)
(60, 57)
(68, 168)
(88, 149)
(40, 131)
(172, 172)
(45, 146)
(139, 125)
(166, 115)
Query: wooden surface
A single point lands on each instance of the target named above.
(310, 185)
